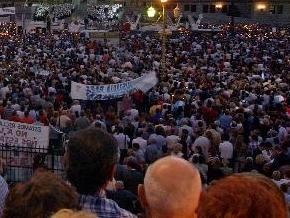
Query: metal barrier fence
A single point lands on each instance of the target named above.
(19, 162)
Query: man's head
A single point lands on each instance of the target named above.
(43, 195)
(65, 213)
(171, 188)
(136, 146)
(243, 195)
(90, 160)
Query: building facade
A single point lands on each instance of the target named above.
(277, 11)
(267, 11)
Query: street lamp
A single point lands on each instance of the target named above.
(232, 25)
(261, 7)
(219, 6)
(163, 61)
(151, 12)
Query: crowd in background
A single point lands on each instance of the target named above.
(104, 17)
(222, 106)
(61, 11)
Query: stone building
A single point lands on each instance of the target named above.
(257, 10)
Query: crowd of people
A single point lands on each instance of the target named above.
(215, 128)
(62, 11)
(54, 12)
(104, 17)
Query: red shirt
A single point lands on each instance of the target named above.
(43, 119)
(14, 119)
(27, 120)
(209, 114)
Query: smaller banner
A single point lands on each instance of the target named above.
(23, 135)
(112, 91)
(7, 11)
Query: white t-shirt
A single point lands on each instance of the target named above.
(122, 140)
(142, 142)
(226, 150)
(3, 92)
(171, 140)
(133, 113)
(75, 108)
(202, 142)
(282, 134)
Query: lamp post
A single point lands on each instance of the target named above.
(232, 18)
(163, 60)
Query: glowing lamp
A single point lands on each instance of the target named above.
(163, 1)
(261, 7)
(151, 12)
(218, 6)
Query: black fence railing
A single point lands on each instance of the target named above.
(19, 163)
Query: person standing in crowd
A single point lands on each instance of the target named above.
(81, 121)
(140, 140)
(123, 141)
(184, 197)
(8, 111)
(43, 195)
(226, 149)
(27, 118)
(65, 213)
(132, 176)
(152, 153)
(260, 197)
(90, 164)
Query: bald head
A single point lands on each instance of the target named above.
(172, 188)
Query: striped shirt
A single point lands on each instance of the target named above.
(103, 207)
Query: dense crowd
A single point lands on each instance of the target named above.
(218, 120)
(57, 11)
(103, 17)
(61, 11)
(104, 12)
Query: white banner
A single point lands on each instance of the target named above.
(23, 135)
(7, 11)
(111, 91)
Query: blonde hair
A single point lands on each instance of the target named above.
(66, 213)
(276, 175)
(260, 159)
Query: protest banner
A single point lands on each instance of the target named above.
(7, 11)
(14, 134)
(19, 142)
(112, 91)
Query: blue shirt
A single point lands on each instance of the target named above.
(225, 121)
(103, 207)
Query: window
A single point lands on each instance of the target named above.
(225, 9)
(205, 9)
(193, 8)
(279, 9)
(186, 7)
(272, 9)
(212, 9)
